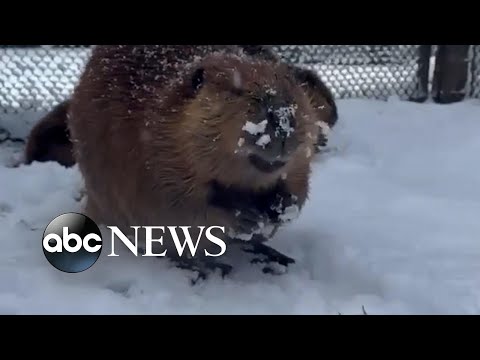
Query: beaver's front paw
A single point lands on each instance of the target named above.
(250, 222)
(284, 208)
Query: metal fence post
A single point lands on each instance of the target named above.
(451, 73)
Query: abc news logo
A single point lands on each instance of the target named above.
(72, 242)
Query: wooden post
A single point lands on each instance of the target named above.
(451, 73)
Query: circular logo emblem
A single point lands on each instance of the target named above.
(72, 243)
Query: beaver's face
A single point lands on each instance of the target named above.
(270, 131)
(258, 114)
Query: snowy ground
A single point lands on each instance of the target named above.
(392, 225)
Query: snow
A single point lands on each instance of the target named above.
(264, 140)
(284, 114)
(255, 129)
(271, 91)
(391, 225)
(290, 213)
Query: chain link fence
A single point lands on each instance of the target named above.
(35, 78)
(363, 71)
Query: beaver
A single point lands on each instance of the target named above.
(207, 135)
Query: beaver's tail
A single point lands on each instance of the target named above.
(49, 139)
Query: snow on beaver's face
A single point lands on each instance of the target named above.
(251, 115)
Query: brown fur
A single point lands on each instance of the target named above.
(48, 140)
(154, 126)
(319, 94)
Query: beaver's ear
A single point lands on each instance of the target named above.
(198, 79)
(318, 91)
(260, 51)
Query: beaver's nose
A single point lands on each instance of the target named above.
(281, 119)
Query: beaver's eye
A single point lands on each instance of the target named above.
(238, 91)
(257, 99)
(198, 79)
